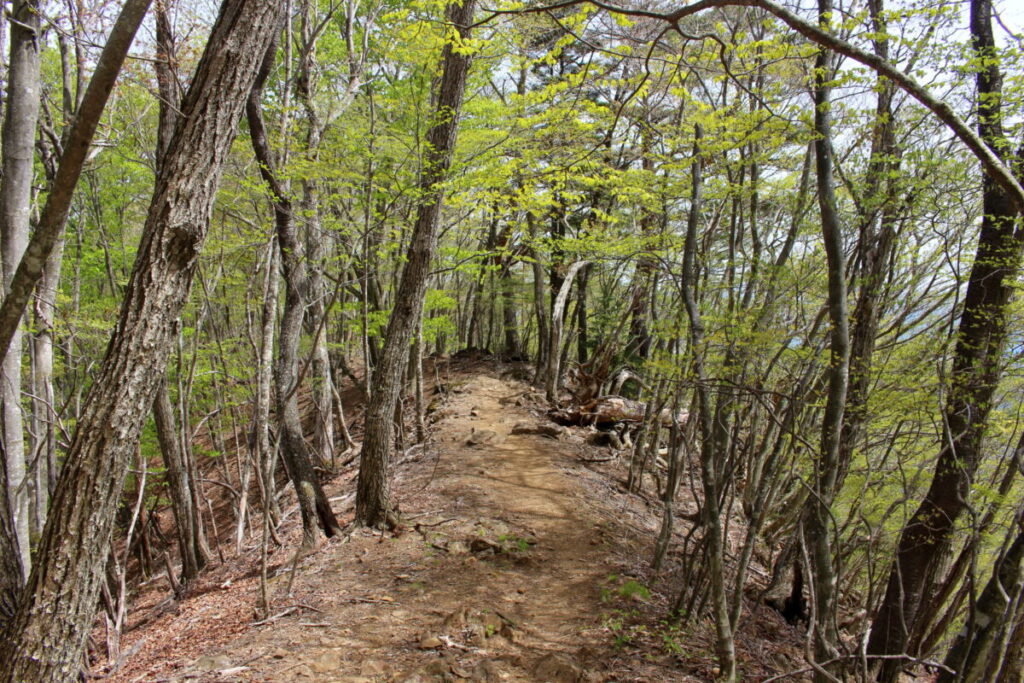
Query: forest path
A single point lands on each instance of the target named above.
(499, 577)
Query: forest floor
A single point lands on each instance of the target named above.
(521, 558)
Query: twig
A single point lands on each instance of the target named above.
(279, 615)
(443, 521)
(369, 600)
(286, 612)
(809, 669)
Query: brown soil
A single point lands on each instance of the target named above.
(518, 562)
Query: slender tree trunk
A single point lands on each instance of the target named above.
(295, 453)
(44, 408)
(818, 517)
(19, 134)
(44, 641)
(316, 241)
(188, 520)
(539, 300)
(373, 499)
(265, 456)
(509, 312)
(709, 456)
(639, 345)
(878, 238)
(553, 372)
(187, 515)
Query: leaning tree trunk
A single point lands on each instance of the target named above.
(976, 371)
(44, 641)
(313, 503)
(76, 145)
(373, 498)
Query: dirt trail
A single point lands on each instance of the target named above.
(499, 578)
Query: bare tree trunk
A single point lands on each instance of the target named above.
(313, 503)
(1013, 667)
(539, 298)
(188, 520)
(187, 515)
(373, 497)
(709, 456)
(44, 410)
(419, 403)
(265, 458)
(513, 347)
(19, 133)
(315, 240)
(553, 371)
(44, 641)
(818, 517)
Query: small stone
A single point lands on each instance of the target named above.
(477, 634)
(479, 437)
(548, 430)
(484, 546)
(429, 642)
(328, 662)
(372, 667)
(557, 668)
(213, 663)
(457, 619)
(492, 623)
(438, 667)
(458, 548)
(486, 671)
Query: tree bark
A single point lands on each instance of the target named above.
(553, 372)
(44, 641)
(373, 497)
(188, 520)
